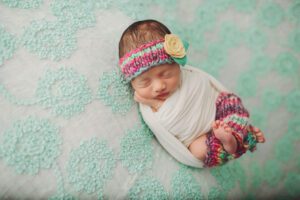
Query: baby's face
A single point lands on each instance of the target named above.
(159, 82)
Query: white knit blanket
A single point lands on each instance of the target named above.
(185, 115)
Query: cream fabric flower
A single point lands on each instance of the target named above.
(174, 46)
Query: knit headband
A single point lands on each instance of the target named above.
(168, 50)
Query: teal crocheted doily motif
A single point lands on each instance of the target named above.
(216, 194)
(64, 91)
(294, 40)
(136, 149)
(147, 188)
(293, 11)
(31, 145)
(182, 190)
(51, 40)
(26, 4)
(271, 99)
(8, 45)
(273, 172)
(114, 92)
(90, 166)
(75, 14)
(291, 184)
(70, 128)
(292, 101)
(287, 64)
(271, 14)
(255, 38)
(228, 175)
(245, 5)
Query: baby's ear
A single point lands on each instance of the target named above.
(131, 83)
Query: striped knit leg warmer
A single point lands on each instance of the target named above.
(230, 110)
(216, 155)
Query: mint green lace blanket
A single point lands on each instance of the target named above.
(69, 128)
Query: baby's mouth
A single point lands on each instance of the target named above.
(163, 95)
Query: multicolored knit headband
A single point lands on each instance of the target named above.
(168, 50)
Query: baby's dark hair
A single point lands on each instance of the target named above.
(139, 33)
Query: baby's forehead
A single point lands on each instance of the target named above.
(154, 71)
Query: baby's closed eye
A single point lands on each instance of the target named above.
(143, 83)
(167, 74)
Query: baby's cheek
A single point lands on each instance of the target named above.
(175, 83)
(144, 93)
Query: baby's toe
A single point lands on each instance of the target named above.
(222, 123)
(255, 129)
(215, 124)
(261, 140)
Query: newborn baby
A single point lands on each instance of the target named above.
(195, 118)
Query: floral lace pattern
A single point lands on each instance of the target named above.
(182, 190)
(74, 13)
(271, 99)
(293, 105)
(26, 4)
(147, 188)
(90, 165)
(30, 145)
(136, 149)
(271, 14)
(245, 6)
(58, 141)
(228, 175)
(255, 38)
(8, 44)
(293, 11)
(294, 40)
(272, 172)
(64, 91)
(49, 40)
(291, 182)
(287, 64)
(114, 92)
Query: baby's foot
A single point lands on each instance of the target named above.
(258, 133)
(224, 133)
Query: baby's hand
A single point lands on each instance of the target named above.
(153, 103)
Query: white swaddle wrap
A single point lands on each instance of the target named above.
(185, 115)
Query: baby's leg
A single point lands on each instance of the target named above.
(216, 154)
(231, 111)
(210, 150)
(198, 147)
(231, 117)
(224, 133)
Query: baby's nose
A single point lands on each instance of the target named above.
(160, 86)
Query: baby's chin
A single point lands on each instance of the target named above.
(161, 98)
